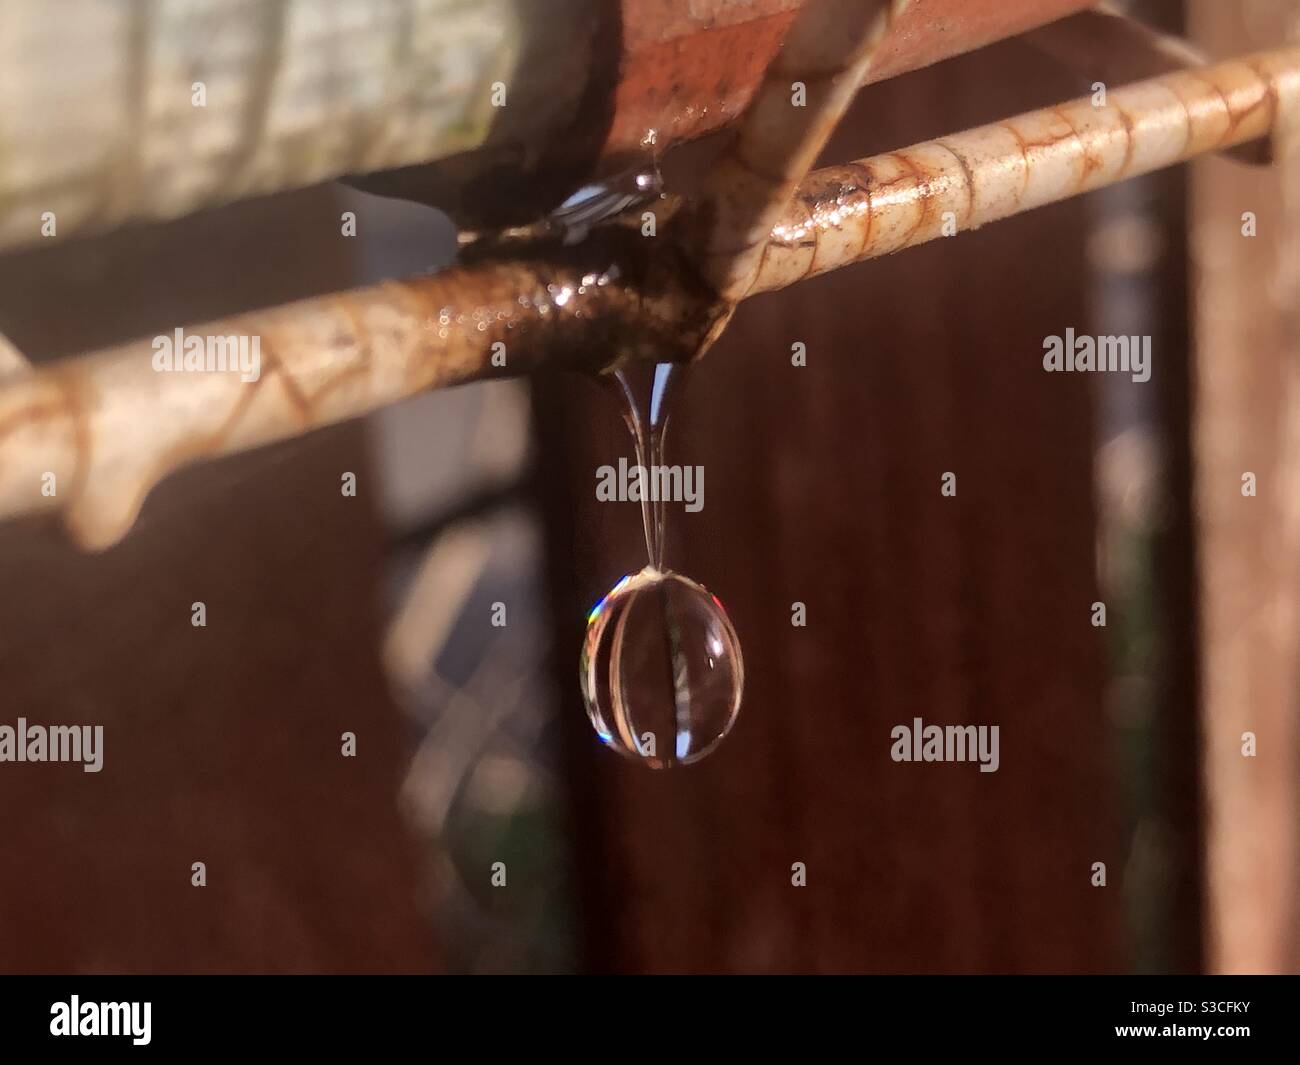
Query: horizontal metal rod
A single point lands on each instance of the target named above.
(91, 435)
(870, 208)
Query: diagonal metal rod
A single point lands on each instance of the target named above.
(800, 101)
(108, 425)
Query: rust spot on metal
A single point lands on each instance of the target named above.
(1024, 157)
(762, 259)
(1130, 138)
(967, 175)
(1090, 164)
(927, 182)
(1229, 114)
(1267, 96)
(1189, 124)
(865, 185)
(1270, 87)
(273, 368)
(71, 387)
(343, 301)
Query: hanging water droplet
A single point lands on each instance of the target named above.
(661, 669)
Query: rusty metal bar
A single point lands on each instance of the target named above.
(109, 425)
(870, 208)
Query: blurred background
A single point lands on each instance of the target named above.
(375, 614)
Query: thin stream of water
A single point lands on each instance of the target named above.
(648, 401)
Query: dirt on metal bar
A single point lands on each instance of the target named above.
(107, 427)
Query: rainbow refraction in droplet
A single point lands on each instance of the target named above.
(661, 669)
(595, 610)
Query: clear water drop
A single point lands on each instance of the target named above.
(661, 669)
